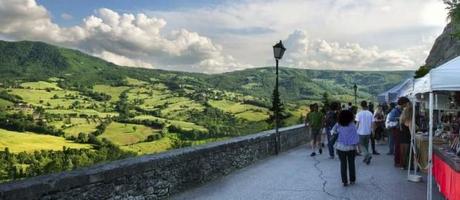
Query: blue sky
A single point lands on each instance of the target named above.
(218, 36)
(79, 9)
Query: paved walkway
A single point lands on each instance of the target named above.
(296, 175)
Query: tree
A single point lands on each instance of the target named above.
(277, 107)
(453, 9)
(326, 101)
(422, 71)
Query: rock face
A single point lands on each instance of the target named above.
(445, 48)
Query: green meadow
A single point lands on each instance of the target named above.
(126, 134)
(29, 142)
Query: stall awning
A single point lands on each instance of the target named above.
(395, 92)
(443, 78)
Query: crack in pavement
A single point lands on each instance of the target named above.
(375, 185)
(293, 190)
(321, 176)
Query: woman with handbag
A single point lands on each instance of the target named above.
(346, 140)
(379, 124)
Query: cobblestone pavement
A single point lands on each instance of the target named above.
(296, 175)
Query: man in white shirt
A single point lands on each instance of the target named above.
(364, 120)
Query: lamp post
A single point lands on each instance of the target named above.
(278, 51)
(355, 88)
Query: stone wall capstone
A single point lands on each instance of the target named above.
(156, 176)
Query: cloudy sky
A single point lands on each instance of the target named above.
(213, 36)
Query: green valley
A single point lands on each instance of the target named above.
(61, 109)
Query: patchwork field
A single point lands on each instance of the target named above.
(5, 103)
(181, 124)
(114, 92)
(29, 142)
(76, 126)
(41, 85)
(244, 111)
(157, 146)
(126, 134)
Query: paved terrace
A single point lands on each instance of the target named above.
(296, 175)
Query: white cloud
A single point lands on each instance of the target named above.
(346, 34)
(122, 60)
(66, 16)
(305, 52)
(127, 39)
(388, 24)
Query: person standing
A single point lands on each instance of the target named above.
(347, 141)
(392, 123)
(314, 119)
(391, 145)
(349, 106)
(377, 133)
(364, 120)
(379, 124)
(371, 109)
(329, 121)
(405, 131)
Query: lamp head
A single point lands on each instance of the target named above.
(278, 50)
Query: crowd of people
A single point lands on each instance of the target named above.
(348, 132)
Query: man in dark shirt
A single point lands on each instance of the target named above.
(314, 120)
(329, 121)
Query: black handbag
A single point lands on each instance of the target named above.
(334, 137)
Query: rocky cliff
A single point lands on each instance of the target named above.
(446, 47)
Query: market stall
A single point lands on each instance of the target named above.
(395, 92)
(442, 86)
(446, 171)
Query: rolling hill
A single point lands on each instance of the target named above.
(86, 110)
(34, 61)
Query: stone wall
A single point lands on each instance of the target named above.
(156, 176)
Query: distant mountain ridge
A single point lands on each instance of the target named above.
(34, 61)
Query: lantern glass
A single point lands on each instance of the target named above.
(278, 50)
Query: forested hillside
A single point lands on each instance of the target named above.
(61, 109)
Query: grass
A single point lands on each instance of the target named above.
(54, 99)
(114, 92)
(296, 114)
(135, 82)
(41, 85)
(4, 103)
(29, 142)
(125, 134)
(77, 126)
(179, 107)
(157, 146)
(35, 96)
(89, 112)
(243, 111)
(183, 125)
(253, 116)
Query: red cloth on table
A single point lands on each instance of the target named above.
(447, 178)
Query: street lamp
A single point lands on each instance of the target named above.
(278, 51)
(355, 88)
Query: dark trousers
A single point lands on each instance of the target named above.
(391, 142)
(397, 149)
(373, 143)
(330, 145)
(347, 160)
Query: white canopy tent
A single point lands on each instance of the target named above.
(395, 92)
(443, 78)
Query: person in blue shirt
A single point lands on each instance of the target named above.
(391, 116)
(347, 140)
